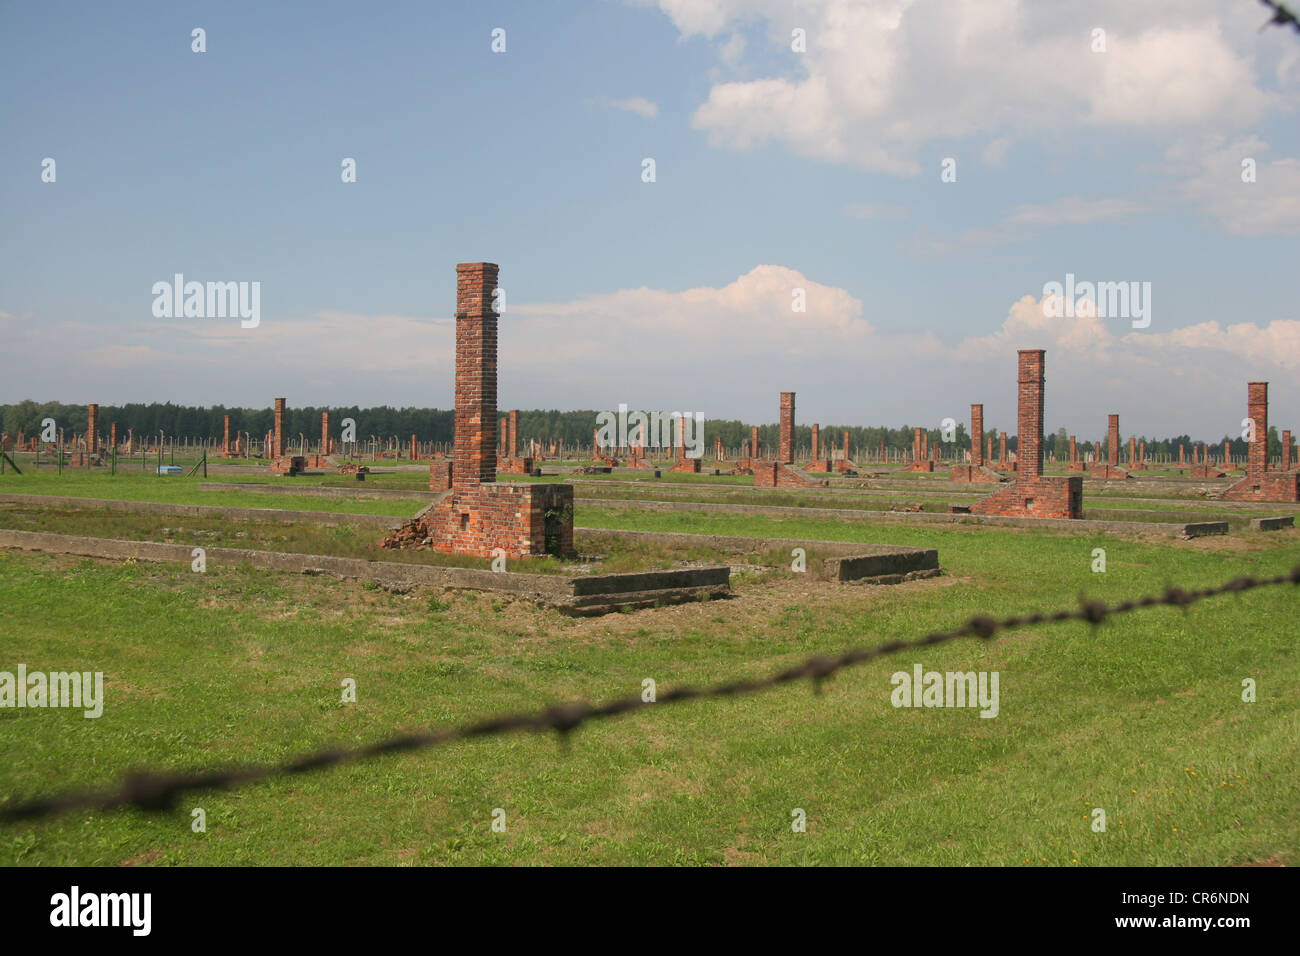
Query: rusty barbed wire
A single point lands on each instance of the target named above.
(1281, 16)
(158, 792)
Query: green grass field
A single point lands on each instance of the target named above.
(1142, 717)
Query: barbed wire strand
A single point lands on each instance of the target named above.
(1281, 16)
(158, 792)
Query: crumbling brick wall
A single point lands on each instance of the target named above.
(777, 474)
(478, 515)
(1032, 494)
(976, 470)
(1260, 484)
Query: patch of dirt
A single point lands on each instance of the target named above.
(143, 858)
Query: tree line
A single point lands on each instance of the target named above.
(199, 423)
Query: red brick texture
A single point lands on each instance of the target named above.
(816, 443)
(288, 465)
(1260, 484)
(92, 429)
(440, 475)
(325, 433)
(225, 436)
(785, 452)
(476, 515)
(1111, 470)
(919, 461)
(976, 471)
(277, 431)
(1032, 495)
(476, 374)
(1286, 450)
(777, 474)
(753, 442)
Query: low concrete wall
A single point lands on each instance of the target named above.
(199, 511)
(574, 595)
(1177, 530)
(361, 493)
(844, 560)
(1273, 524)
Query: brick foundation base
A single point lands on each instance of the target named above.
(822, 465)
(521, 520)
(1108, 472)
(1206, 471)
(1273, 486)
(515, 466)
(1035, 498)
(775, 474)
(686, 466)
(287, 465)
(843, 464)
(975, 473)
(926, 466)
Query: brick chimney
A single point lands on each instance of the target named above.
(1257, 410)
(1112, 439)
(92, 425)
(786, 450)
(977, 435)
(476, 374)
(277, 430)
(1029, 434)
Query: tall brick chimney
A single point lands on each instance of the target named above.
(1029, 434)
(1257, 410)
(1112, 439)
(277, 430)
(787, 428)
(225, 435)
(977, 435)
(112, 438)
(92, 424)
(512, 445)
(476, 374)
(753, 442)
(1286, 450)
(816, 442)
(847, 457)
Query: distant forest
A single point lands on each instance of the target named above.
(572, 427)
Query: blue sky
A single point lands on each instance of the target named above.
(774, 170)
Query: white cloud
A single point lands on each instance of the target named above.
(724, 350)
(880, 81)
(637, 104)
(1210, 173)
(1074, 210)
